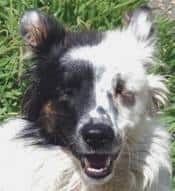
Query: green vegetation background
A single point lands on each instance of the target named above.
(77, 15)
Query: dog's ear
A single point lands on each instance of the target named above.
(158, 93)
(140, 23)
(46, 37)
(40, 31)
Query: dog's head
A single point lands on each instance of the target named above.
(90, 91)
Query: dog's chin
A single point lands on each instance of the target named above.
(97, 168)
(92, 181)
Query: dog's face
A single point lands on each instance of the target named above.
(90, 90)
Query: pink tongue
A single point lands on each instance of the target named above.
(97, 161)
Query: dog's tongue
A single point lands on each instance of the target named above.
(97, 161)
(97, 166)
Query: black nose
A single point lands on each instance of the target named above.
(98, 134)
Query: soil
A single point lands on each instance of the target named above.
(165, 7)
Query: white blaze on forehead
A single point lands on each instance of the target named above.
(119, 50)
(102, 88)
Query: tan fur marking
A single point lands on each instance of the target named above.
(48, 108)
(47, 117)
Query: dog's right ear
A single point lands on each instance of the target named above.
(46, 38)
(40, 31)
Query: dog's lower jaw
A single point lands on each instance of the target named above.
(120, 178)
(110, 183)
(88, 181)
(92, 181)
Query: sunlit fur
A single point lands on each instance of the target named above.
(143, 163)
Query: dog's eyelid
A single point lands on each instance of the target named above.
(65, 92)
(70, 91)
(128, 97)
(128, 92)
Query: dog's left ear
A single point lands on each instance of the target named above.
(158, 93)
(140, 23)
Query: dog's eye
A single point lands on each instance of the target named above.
(69, 92)
(128, 98)
(65, 92)
(64, 103)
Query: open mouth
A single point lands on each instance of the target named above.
(97, 165)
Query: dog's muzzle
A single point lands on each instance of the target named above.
(98, 136)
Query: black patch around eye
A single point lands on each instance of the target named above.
(72, 83)
(77, 74)
(70, 92)
(64, 105)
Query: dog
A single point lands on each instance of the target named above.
(89, 112)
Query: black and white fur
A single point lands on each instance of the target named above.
(88, 112)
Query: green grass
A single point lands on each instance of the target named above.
(166, 32)
(77, 15)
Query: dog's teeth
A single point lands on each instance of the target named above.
(108, 162)
(96, 170)
(87, 164)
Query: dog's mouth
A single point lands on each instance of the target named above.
(97, 165)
